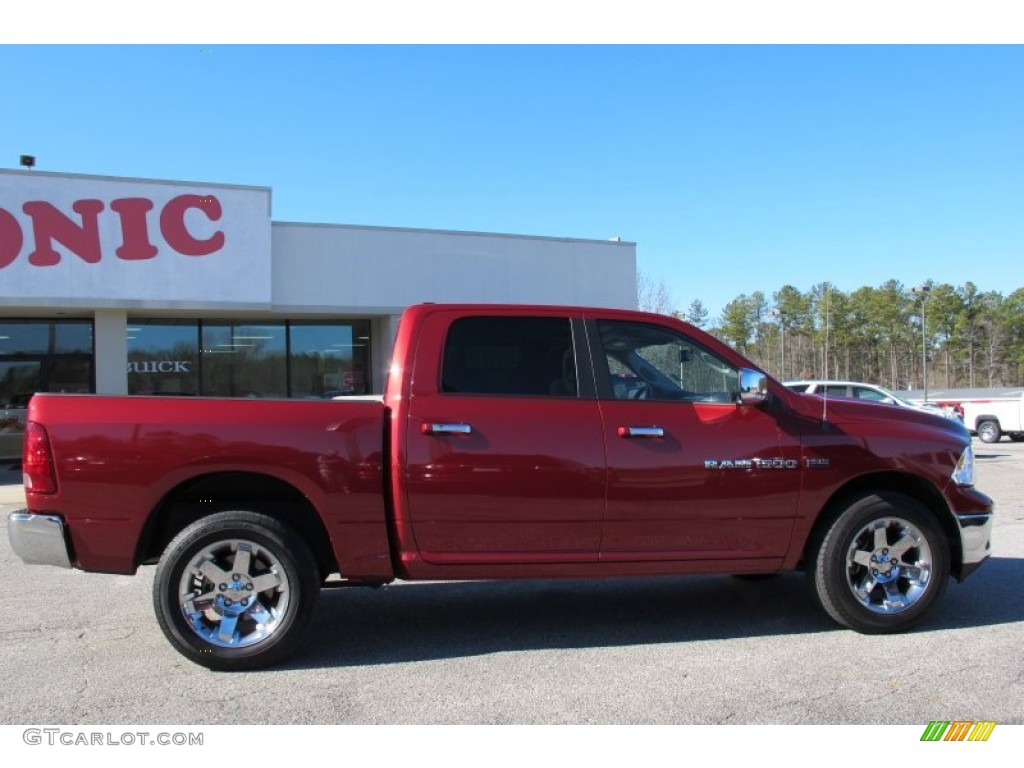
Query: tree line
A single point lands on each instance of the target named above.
(885, 335)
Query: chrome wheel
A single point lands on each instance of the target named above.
(234, 593)
(888, 565)
(989, 432)
(880, 563)
(236, 590)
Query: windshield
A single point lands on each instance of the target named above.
(897, 398)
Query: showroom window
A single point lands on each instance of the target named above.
(226, 358)
(44, 356)
(329, 359)
(244, 360)
(39, 356)
(163, 357)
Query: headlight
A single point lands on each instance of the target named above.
(964, 472)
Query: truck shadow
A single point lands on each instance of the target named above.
(990, 596)
(430, 621)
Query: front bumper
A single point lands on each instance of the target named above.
(38, 539)
(975, 542)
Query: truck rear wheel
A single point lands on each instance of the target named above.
(236, 590)
(989, 431)
(882, 564)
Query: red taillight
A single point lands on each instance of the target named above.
(37, 460)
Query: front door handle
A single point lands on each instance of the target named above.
(641, 432)
(446, 429)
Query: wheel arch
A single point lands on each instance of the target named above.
(227, 490)
(985, 417)
(881, 483)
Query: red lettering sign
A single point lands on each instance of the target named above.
(10, 238)
(49, 224)
(172, 225)
(134, 232)
(82, 237)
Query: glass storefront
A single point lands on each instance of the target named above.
(329, 359)
(39, 356)
(303, 359)
(44, 356)
(244, 360)
(238, 359)
(163, 357)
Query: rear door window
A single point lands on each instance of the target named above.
(528, 356)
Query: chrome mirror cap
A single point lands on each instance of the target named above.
(753, 387)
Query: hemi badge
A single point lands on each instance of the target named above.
(817, 463)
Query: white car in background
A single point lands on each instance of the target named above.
(858, 390)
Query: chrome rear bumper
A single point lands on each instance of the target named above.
(38, 539)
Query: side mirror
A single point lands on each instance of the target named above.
(753, 387)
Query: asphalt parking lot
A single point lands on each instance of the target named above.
(79, 648)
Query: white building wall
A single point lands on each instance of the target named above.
(380, 271)
(110, 349)
(377, 272)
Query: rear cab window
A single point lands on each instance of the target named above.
(517, 356)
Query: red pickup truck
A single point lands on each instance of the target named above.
(511, 442)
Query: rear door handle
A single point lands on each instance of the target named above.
(641, 432)
(446, 429)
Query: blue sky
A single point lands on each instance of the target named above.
(734, 168)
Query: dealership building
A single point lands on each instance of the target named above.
(137, 286)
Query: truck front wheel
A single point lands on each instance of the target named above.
(881, 565)
(236, 590)
(989, 431)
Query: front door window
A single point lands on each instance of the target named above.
(647, 362)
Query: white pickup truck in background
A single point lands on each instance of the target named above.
(991, 419)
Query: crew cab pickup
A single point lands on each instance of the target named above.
(511, 442)
(993, 418)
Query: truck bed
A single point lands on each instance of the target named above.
(119, 458)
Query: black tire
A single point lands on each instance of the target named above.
(881, 565)
(1017, 437)
(247, 616)
(989, 431)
